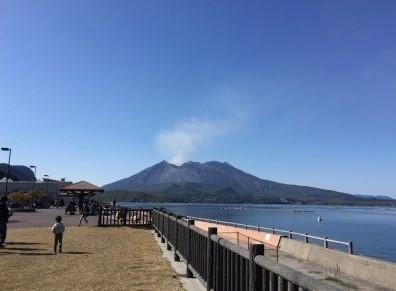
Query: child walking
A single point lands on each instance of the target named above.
(58, 228)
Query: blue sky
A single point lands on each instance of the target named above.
(301, 92)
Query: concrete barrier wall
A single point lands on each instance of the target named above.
(372, 270)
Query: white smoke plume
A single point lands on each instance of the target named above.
(181, 141)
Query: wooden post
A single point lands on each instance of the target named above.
(209, 258)
(255, 278)
(189, 274)
(100, 216)
(176, 256)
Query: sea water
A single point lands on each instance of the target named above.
(372, 229)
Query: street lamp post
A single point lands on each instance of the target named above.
(8, 168)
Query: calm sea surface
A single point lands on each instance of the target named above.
(372, 229)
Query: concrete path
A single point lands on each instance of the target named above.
(46, 217)
(189, 284)
(246, 236)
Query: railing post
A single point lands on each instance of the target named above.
(291, 286)
(163, 227)
(158, 223)
(176, 256)
(325, 242)
(124, 216)
(189, 274)
(350, 247)
(290, 234)
(255, 276)
(282, 284)
(154, 219)
(306, 237)
(168, 247)
(100, 216)
(209, 258)
(272, 281)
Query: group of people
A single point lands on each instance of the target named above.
(57, 229)
(58, 203)
(87, 208)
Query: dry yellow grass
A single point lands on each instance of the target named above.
(93, 259)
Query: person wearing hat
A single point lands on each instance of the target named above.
(4, 215)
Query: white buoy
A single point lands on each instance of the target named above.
(320, 218)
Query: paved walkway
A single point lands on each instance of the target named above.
(46, 217)
(189, 284)
(243, 237)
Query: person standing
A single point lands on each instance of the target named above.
(4, 215)
(58, 229)
(85, 213)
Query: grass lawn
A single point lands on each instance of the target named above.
(93, 258)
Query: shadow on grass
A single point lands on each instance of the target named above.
(36, 254)
(42, 254)
(24, 254)
(23, 249)
(24, 243)
(77, 253)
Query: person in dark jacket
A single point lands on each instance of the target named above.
(4, 214)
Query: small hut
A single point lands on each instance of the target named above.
(81, 190)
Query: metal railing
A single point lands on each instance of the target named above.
(289, 233)
(222, 265)
(121, 216)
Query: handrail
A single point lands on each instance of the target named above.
(289, 233)
(221, 263)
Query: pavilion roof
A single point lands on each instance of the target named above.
(82, 186)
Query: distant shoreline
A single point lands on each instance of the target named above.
(170, 198)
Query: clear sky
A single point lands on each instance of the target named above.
(301, 92)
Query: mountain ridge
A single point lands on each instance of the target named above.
(215, 181)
